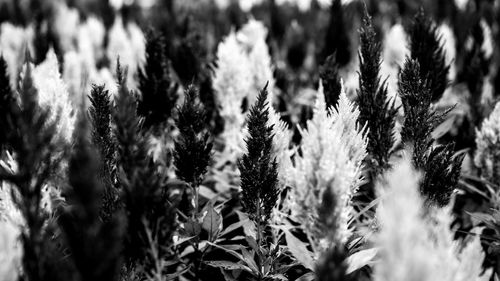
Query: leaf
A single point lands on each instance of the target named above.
(360, 259)
(192, 228)
(233, 227)
(211, 222)
(248, 226)
(277, 277)
(249, 257)
(207, 192)
(231, 252)
(299, 250)
(227, 265)
(182, 240)
(310, 276)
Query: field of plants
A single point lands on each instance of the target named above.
(328, 140)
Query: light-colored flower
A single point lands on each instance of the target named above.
(13, 43)
(66, 22)
(322, 179)
(355, 138)
(416, 241)
(487, 156)
(53, 94)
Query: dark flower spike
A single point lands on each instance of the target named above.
(441, 170)
(329, 74)
(375, 108)
(159, 92)
(95, 245)
(259, 176)
(102, 138)
(144, 193)
(337, 39)
(426, 47)
(193, 147)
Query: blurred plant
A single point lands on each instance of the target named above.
(159, 92)
(329, 74)
(441, 168)
(426, 47)
(337, 39)
(416, 242)
(333, 265)
(377, 111)
(475, 68)
(151, 218)
(102, 138)
(232, 84)
(38, 152)
(488, 147)
(53, 94)
(95, 245)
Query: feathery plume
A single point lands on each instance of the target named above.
(39, 152)
(426, 47)
(145, 194)
(193, 147)
(323, 176)
(159, 93)
(417, 243)
(377, 111)
(329, 74)
(53, 95)
(488, 147)
(259, 170)
(102, 138)
(95, 245)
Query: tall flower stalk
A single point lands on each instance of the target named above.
(376, 109)
(259, 171)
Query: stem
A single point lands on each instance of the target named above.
(259, 256)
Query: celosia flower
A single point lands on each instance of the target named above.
(53, 94)
(126, 44)
(418, 244)
(232, 84)
(12, 43)
(345, 117)
(487, 153)
(90, 39)
(324, 176)
(66, 21)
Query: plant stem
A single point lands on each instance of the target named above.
(259, 256)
